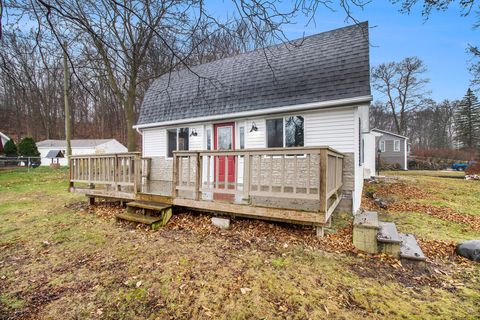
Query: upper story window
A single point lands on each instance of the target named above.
(285, 132)
(382, 146)
(396, 145)
(177, 139)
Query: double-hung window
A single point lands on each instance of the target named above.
(382, 146)
(285, 132)
(396, 145)
(177, 139)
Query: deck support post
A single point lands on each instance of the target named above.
(320, 231)
(91, 201)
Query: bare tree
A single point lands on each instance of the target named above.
(403, 87)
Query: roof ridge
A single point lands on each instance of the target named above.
(363, 24)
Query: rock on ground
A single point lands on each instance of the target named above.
(469, 249)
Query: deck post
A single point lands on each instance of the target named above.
(115, 173)
(137, 162)
(198, 177)
(70, 173)
(246, 176)
(323, 180)
(175, 176)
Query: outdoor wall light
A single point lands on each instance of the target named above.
(193, 133)
(254, 127)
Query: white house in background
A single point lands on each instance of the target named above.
(79, 147)
(311, 95)
(3, 139)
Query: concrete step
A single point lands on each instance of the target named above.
(367, 219)
(388, 239)
(388, 233)
(409, 249)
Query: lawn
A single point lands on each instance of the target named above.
(60, 258)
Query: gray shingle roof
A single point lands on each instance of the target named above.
(327, 66)
(77, 143)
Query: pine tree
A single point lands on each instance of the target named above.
(28, 148)
(467, 120)
(10, 149)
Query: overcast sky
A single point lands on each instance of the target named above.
(441, 42)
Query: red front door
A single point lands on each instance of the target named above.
(224, 139)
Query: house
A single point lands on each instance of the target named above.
(79, 147)
(3, 139)
(273, 134)
(392, 148)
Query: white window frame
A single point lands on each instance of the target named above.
(176, 147)
(382, 146)
(395, 149)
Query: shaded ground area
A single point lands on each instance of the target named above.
(60, 258)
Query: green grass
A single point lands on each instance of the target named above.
(447, 190)
(60, 263)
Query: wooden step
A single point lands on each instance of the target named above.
(388, 233)
(155, 206)
(140, 218)
(409, 249)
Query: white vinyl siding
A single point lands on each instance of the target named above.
(334, 128)
(255, 139)
(154, 142)
(196, 142)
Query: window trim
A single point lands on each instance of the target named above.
(382, 146)
(395, 146)
(177, 130)
(284, 144)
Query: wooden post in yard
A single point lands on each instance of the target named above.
(66, 89)
(322, 190)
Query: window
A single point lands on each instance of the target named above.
(294, 131)
(209, 139)
(382, 146)
(171, 142)
(242, 137)
(177, 139)
(285, 132)
(396, 145)
(275, 133)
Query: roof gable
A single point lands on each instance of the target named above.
(328, 66)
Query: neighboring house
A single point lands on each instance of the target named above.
(312, 95)
(393, 148)
(79, 147)
(3, 139)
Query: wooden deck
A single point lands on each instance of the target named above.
(296, 185)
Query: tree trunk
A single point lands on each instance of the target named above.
(130, 121)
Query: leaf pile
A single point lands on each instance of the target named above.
(401, 189)
(444, 213)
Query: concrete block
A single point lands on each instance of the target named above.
(222, 223)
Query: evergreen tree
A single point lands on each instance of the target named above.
(10, 149)
(468, 121)
(28, 148)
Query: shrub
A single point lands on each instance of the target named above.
(28, 148)
(10, 149)
(445, 154)
(473, 169)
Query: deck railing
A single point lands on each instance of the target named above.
(120, 172)
(243, 175)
